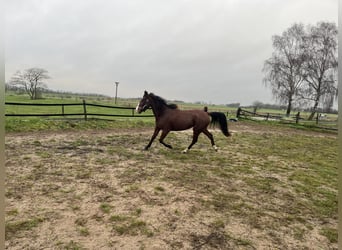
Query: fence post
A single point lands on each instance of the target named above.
(238, 112)
(297, 117)
(317, 118)
(267, 116)
(63, 109)
(84, 110)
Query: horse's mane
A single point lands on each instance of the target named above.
(162, 101)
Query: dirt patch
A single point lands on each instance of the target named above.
(99, 190)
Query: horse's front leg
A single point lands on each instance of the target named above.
(155, 133)
(161, 139)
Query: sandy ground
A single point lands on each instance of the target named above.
(74, 190)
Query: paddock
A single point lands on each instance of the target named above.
(266, 187)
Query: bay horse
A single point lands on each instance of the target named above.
(169, 118)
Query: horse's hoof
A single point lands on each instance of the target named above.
(215, 148)
(145, 148)
(185, 151)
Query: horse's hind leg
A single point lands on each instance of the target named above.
(211, 137)
(194, 140)
(161, 139)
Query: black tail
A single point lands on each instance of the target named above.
(219, 117)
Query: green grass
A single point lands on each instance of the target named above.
(22, 124)
(123, 224)
(41, 124)
(14, 228)
(71, 245)
(105, 208)
(26, 124)
(78, 109)
(331, 234)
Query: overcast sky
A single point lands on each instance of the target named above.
(190, 50)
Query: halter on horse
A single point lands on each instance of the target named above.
(170, 118)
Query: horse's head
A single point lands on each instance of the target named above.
(144, 103)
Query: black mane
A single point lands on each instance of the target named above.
(162, 101)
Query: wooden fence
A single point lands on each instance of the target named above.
(85, 113)
(320, 120)
(241, 113)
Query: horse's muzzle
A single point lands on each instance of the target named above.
(139, 109)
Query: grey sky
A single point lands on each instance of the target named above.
(190, 50)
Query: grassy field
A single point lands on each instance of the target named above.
(89, 185)
(13, 109)
(329, 121)
(32, 123)
(22, 124)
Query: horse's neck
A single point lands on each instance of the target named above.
(158, 111)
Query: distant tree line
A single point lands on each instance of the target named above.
(302, 70)
(39, 95)
(32, 82)
(256, 105)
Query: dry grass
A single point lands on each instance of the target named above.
(267, 187)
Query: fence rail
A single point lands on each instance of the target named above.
(297, 119)
(85, 113)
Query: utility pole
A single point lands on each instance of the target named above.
(116, 90)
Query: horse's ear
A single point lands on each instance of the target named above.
(145, 93)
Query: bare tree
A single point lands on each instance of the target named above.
(31, 80)
(327, 103)
(284, 70)
(320, 64)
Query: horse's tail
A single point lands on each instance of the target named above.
(219, 117)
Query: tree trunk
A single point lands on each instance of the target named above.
(289, 107)
(35, 89)
(30, 92)
(314, 110)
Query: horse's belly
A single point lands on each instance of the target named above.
(177, 124)
(183, 127)
(189, 120)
